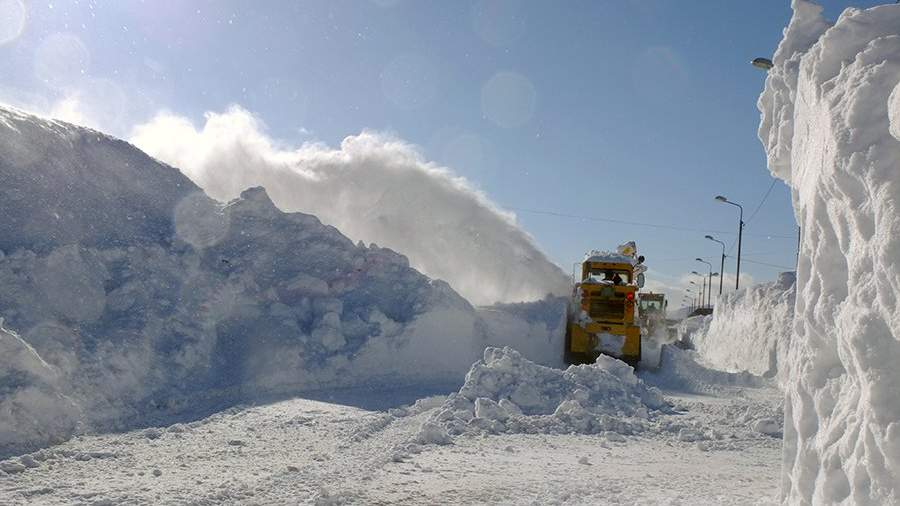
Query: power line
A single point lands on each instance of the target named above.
(764, 253)
(684, 259)
(753, 215)
(763, 201)
(768, 264)
(639, 224)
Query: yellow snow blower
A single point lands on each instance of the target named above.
(601, 316)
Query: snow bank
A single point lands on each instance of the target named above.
(684, 370)
(374, 188)
(537, 329)
(506, 393)
(829, 116)
(750, 330)
(197, 303)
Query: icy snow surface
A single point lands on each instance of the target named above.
(593, 434)
(129, 295)
(829, 125)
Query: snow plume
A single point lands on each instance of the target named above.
(826, 126)
(373, 188)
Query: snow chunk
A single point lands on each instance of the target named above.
(12, 466)
(432, 433)
(767, 426)
(894, 111)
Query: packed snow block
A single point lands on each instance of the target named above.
(506, 393)
(829, 128)
(750, 330)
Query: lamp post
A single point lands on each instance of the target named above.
(722, 267)
(702, 288)
(762, 63)
(708, 295)
(737, 275)
(714, 275)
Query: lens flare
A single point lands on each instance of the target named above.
(12, 20)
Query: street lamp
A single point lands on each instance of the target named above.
(716, 275)
(762, 63)
(737, 275)
(722, 268)
(708, 294)
(702, 287)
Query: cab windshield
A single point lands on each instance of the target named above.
(651, 304)
(614, 275)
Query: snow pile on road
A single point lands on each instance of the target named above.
(374, 188)
(197, 303)
(506, 393)
(750, 330)
(829, 125)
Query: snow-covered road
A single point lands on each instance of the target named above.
(711, 449)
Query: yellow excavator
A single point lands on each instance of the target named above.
(602, 312)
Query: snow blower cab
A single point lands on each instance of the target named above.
(602, 313)
(652, 311)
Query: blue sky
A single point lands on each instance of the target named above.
(638, 111)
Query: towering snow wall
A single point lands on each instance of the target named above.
(750, 329)
(126, 294)
(829, 126)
